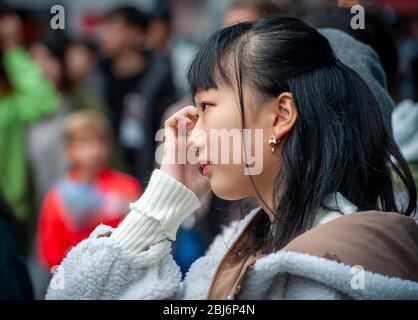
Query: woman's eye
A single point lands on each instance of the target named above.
(203, 106)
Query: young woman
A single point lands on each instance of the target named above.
(327, 227)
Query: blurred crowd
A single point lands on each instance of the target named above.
(79, 112)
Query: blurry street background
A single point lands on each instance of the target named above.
(79, 109)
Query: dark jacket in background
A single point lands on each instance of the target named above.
(153, 89)
(15, 283)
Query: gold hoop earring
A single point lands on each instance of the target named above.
(273, 143)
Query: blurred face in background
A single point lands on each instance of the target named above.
(116, 36)
(88, 151)
(241, 13)
(50, 65)
(158, 35)
(80, 62)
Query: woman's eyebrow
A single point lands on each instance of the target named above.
(203, 95)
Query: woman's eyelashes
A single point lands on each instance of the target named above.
(204, 105)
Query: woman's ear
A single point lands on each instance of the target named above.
(285, 115)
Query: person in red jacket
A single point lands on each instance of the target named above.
(89, 194)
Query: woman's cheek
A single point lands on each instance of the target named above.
(227, 181)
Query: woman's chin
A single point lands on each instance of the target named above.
(223, 191)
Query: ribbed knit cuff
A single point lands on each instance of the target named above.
(157, 214)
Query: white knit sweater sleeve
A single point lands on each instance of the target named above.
(157, 215)
(133, 261)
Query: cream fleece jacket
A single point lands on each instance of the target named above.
(135, 261)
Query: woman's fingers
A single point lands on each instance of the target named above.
(181, 122)
(187, 114)
(174, 121)
(177, 127)
(189, 111)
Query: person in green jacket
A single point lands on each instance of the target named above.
(25, 97)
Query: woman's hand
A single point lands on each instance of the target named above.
(177, 128)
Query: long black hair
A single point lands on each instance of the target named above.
(339, 142)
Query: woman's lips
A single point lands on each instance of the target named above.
(204, 168)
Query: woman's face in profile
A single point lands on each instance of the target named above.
(220, 141)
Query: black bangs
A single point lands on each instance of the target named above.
(208, 68)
